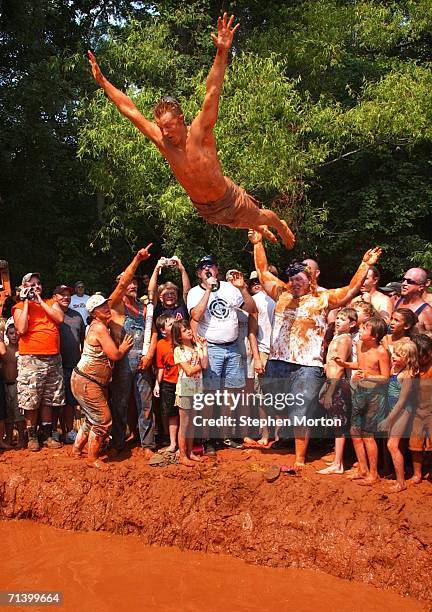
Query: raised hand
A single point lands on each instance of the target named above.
(144, 254)
(225, 35)
(96, 71)
(372, 255)
(254, 237)
(237, 280)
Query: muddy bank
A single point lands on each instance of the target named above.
(314, 522)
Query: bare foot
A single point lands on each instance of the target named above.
(76, 452)
(168, 449)
(185, 461)
(397, 488)
(195, 457)
(287, 236)
(299, 465)
(331, 469)
(368, 481)
(97, 463)
(148, 453)
(263, 442)
(267, 233)
(357, 475)
(415, 480)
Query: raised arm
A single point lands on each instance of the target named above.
(271, 284)
(127, 276)
(125, 104)
(206, 118)
(337, 296)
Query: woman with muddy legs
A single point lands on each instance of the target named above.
(90, 378)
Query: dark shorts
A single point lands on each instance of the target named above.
(235, 209)
(369, 409)
(3, 413)
(168, 399)
(70, 398)
(341, 405)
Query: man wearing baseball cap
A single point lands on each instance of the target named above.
(72, 334)
(40, 375)
(79, 299)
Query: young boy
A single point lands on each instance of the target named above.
(369, 396)
(335, 395)
(14, 418)
(421, 433)
(167, 376)
(402, 322)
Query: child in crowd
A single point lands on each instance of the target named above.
(401, 325)
(369, 397)
(399, 394)
(14, 418)
(167, 375)
(335, 395)
(191, 358)
(421, 432)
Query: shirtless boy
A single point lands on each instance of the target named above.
(369, 396)
(336, 393)
(8, 355)
(191, 150)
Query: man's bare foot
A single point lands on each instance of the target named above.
(195, 457)
(415, 479)
(185, 461)
(287, 236)
(397, 488)
(97, 463)
(331, 469)
(299, 465)
(168, 449)
(356, 475)
(263, 441)
(148, 453)
(76, 452)
(368, 481)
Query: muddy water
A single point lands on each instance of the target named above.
(103, 572)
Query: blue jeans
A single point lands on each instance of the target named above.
(225, 369)
(302, 383)
(125, 379)
(143, 399)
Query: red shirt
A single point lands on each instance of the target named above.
(42, 336)
(165, 360)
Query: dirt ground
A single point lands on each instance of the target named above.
(326, 523)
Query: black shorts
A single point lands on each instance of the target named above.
(167, 399)
(3, 413)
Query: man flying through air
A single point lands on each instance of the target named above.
(191, 150)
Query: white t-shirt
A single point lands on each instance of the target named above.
(265, 305)
(219, 323)
(78, 303)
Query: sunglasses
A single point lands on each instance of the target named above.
(410, 281)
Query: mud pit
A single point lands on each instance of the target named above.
(225, 506)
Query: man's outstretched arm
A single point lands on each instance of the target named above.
(124, 103)
(207, 117)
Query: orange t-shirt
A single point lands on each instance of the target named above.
(165, 360)
(42, 336)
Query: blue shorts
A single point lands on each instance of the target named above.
(302, 383)
(225, 369)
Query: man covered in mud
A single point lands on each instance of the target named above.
(132, 373)
(191, 149)
(299, 324)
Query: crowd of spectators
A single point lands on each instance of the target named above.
(102, 372)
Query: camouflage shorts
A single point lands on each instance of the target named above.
(40, 381)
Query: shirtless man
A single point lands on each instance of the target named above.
(413, 285)
(191, 150)
(369, 293)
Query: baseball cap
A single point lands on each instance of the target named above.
(253, 275)
(79, 283)
(207, 260)
(26, 278)
(95, 301)
(61, 288)
(9, 323)
(393, 287)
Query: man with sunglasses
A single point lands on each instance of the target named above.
(413, 285)
(191, 150)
